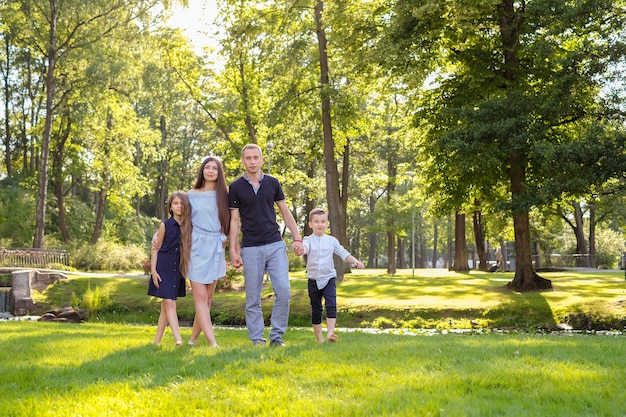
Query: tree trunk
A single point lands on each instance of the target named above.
(525, 279)
(57, 176)
(400, 254)
(101, 206)
(422, 249)
(245, 98)
(579, 231)
(435, 243)
(390, 222)
(309, 203)
(333, 194)
(7, 107)
(592, 236)
(460, 244)
(104, 190)
(42, 195)
(371, 256)
(479, 238)
(163, 176)
(448, 260)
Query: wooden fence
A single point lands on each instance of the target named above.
(26, 258)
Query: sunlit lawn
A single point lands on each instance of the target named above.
(95, 369)
(108, 367)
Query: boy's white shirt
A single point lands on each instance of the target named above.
(320, 249)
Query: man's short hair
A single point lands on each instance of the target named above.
(251, 146)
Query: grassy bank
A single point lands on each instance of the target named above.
(434, 298)
(95, 369)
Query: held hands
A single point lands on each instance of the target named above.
(235, 258)
(297, 247)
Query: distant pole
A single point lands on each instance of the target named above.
(269, 147)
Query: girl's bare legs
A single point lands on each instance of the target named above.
(330, 331)
(317, 329)
(161, 324)
(172, 318)
(202, 297)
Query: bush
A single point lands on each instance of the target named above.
(108, 256)
(296, 263)
(93, 301)
(233, 275)
(17, 211)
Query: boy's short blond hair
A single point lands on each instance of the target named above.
(316, 211)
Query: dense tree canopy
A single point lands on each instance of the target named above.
(395, 114)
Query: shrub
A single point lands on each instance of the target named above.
(93, 301)
(233, 274)
(296, 263)
(108, 256)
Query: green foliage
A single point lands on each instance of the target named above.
(609, 247)
(95, 300)
(79, 216)
(5, 280)
(234, 275)
(296, 263)
(132, 230)
(16, 226)
(108, 256)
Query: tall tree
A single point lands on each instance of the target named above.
(68, 27)
(512, 91)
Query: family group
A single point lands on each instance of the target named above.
(210, 217)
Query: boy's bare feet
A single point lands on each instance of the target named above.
(333, 338)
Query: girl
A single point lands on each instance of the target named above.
(170, 263)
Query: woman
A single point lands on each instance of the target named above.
(210, 218)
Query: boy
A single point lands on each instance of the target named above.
(320, 270)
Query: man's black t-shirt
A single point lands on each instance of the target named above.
(256, 209)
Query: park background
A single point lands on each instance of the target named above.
(433, 132)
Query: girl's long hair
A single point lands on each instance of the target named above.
(221, 190)
(185, 229)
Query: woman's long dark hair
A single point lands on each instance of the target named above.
(221, 190)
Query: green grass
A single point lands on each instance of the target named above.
(434, 298)
(95, 369)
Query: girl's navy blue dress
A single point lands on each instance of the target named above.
(168, 264)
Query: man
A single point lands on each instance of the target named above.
(251, 200)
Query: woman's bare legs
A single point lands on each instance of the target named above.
(202, 298)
